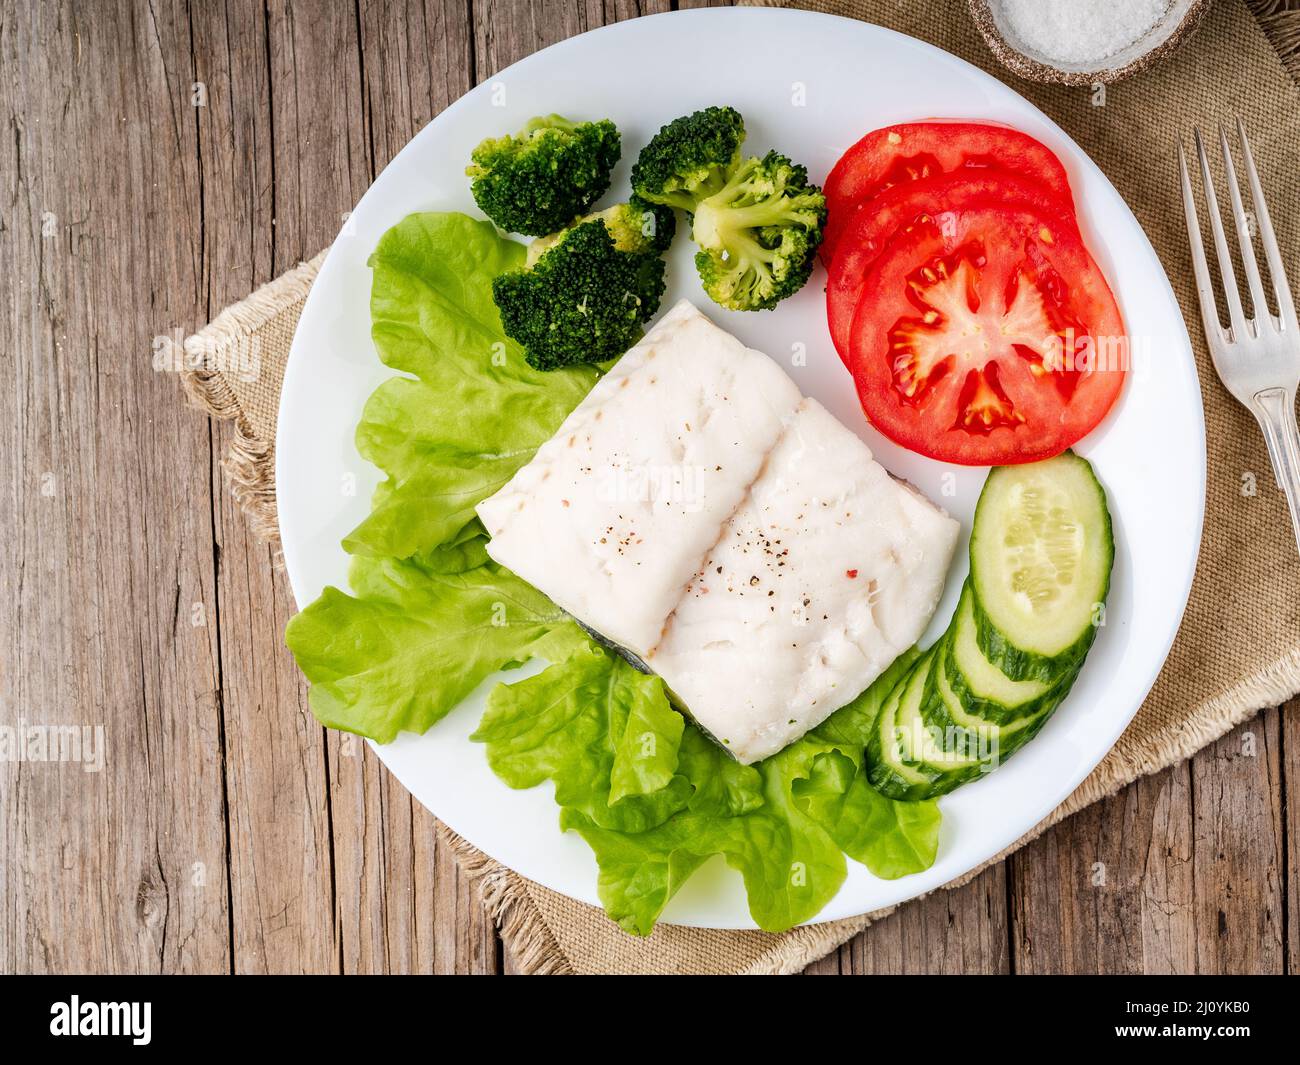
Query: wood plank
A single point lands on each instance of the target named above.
(237, 168)
(1289, 726)
(402, 903)
(283, 918)
(1238, 860)
(959, 931)
(107, 557)
(279, 811)
(506, 31)
(418, 57)
(465, 940)
(323, 157)
(285, 156)
(1110, 890)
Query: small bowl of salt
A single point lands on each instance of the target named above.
(1084, 42)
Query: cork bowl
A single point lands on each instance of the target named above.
(1178, 23)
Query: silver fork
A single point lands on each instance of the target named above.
(1258, 359)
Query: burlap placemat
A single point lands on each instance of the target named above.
(1239, 647)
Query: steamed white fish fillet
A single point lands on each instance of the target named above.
(690, 483)
(613, 515)
(827, 572)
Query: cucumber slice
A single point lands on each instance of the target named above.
(958, 745)
(992, 744)
(981, 687)
(1041, 556)
(914, 745)
(927, 740)
(903, 759)
(1041, 552)
(893, 729)
(945, 710)
(890, 768)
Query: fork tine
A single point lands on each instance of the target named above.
(1259, 304)
(1200, 267)
(1276, 271)
(1236, 316)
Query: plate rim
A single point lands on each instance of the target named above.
(1154, 267)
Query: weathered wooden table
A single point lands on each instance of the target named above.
(159, 160)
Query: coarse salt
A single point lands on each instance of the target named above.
(1080, 31)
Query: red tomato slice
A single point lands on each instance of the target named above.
(914, 150)
(900, 207)
(987, 336)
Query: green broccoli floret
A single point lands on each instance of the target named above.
(582, 300)
(759, 234)
(690, 158)
(639, 225)
(545, 176)
(758, 222)
(634, 226)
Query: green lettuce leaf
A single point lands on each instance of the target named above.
(723, 787)
(430, 615)
(476, 411)
(601, 730)
(790, 864)
(785, 824)
(890, 838)
(639, 873)
(413, 642)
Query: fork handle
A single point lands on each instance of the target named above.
(1274, 409)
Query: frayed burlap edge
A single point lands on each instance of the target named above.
(249, 467)
(533, 948)
(535, 951)
(1280, 21)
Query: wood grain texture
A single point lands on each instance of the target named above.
(1290, 751)
(1110, 890)
(506, 31)
(269, 205)
(963, 931)
(161, 159)
(1238, 864)
(106, 502)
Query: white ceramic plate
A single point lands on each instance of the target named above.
(810, 85)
